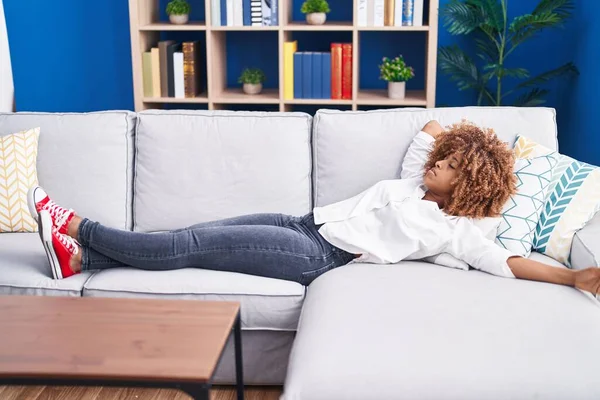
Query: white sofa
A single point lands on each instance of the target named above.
(411, 330)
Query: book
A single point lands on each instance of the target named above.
(407, 12)
(326, 75)
(256, 12)
(370, 12)
(388, 19)
(155, 71)
(275, 13)
(298, 76)
(166, 67)
(266, 12)
(379, 13)
(191, 69)
(307, 75)
(418, 12)
(317, 76)
(178, 79)
(223, 8)
(229, 13)
(147, 74)
(336, 71)
(247, 13)
(215, 12)
(347, 71)
(238, 12)
(289, 48)
(362, 12)
(398, 12)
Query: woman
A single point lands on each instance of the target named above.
(448, 178)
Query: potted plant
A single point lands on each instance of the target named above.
(179, 11)
(396, 73)
(316, 11)
(252, 79)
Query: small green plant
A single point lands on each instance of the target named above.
(178, 7)
(395, 70)
(315, 6)
(252, 75)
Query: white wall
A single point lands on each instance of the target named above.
(6, 77)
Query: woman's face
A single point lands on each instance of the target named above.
(439, 178)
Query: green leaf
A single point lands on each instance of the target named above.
(533, 98)
(568, 68)
(527, 26)
(459, 66)
(487, 50)
(560, 7)
(491, 10)
(520, 73)
(460, 18)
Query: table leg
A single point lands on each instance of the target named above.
(239, 373)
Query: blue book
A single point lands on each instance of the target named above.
(307, 75)
(223, 12)
(326, 73)
(317, 75)
(246, 11)
(298, 76)
(275, 13)
(408, 7)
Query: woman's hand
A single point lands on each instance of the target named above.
(433, 128)
(588, 279)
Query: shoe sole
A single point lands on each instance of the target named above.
(31, 203)
(45, 231)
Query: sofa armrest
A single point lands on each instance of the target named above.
(585, 250)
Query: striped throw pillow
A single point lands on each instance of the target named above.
(18, 157)
(572, 200)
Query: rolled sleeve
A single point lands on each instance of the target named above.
(416, 156)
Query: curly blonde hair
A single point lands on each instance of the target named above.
(485, 180)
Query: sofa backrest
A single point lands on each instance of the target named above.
(196, 166)
(85, 161)
(352, 150)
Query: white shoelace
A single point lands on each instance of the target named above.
(71, 244)
(60, 214)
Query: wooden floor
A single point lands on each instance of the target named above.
(99, 393)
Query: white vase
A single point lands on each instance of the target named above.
(252, 88)
(179, 19)
(396, 90)
(316, 18)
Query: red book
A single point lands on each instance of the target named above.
(336, 70)
(347, 71)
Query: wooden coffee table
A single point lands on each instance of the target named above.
(116, 342)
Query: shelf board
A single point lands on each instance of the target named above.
(328, 26)
(394, 28)
(380, 98)
(244, 28)
(237, 96)
(200, 99)
(165, 26)
(319, 101)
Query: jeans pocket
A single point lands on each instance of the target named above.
(309, 276)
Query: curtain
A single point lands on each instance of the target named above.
(7, 93)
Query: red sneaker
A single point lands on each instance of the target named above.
(59, 248)
(38, 200)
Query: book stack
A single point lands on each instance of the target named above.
(244, 12)
(317, 75)
(390, 12)
(172, 70)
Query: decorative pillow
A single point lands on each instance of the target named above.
(522, 211)
(572, 200)
(18, 157)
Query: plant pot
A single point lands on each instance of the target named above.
(180, 19)
(252, 88)
(396, 90)
(316, 18)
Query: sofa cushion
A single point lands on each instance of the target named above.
(24, 269)
(355, 149)
(421, 331)
(85, 161)
(197, 166)
(267, 304)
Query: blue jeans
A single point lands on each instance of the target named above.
(271, 245)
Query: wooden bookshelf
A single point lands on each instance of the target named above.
(146, 29)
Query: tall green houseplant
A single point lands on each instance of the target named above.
(495, 39)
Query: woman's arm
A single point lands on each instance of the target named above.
(585, 279)
(418, 151)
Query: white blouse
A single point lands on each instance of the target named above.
(390, 222)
